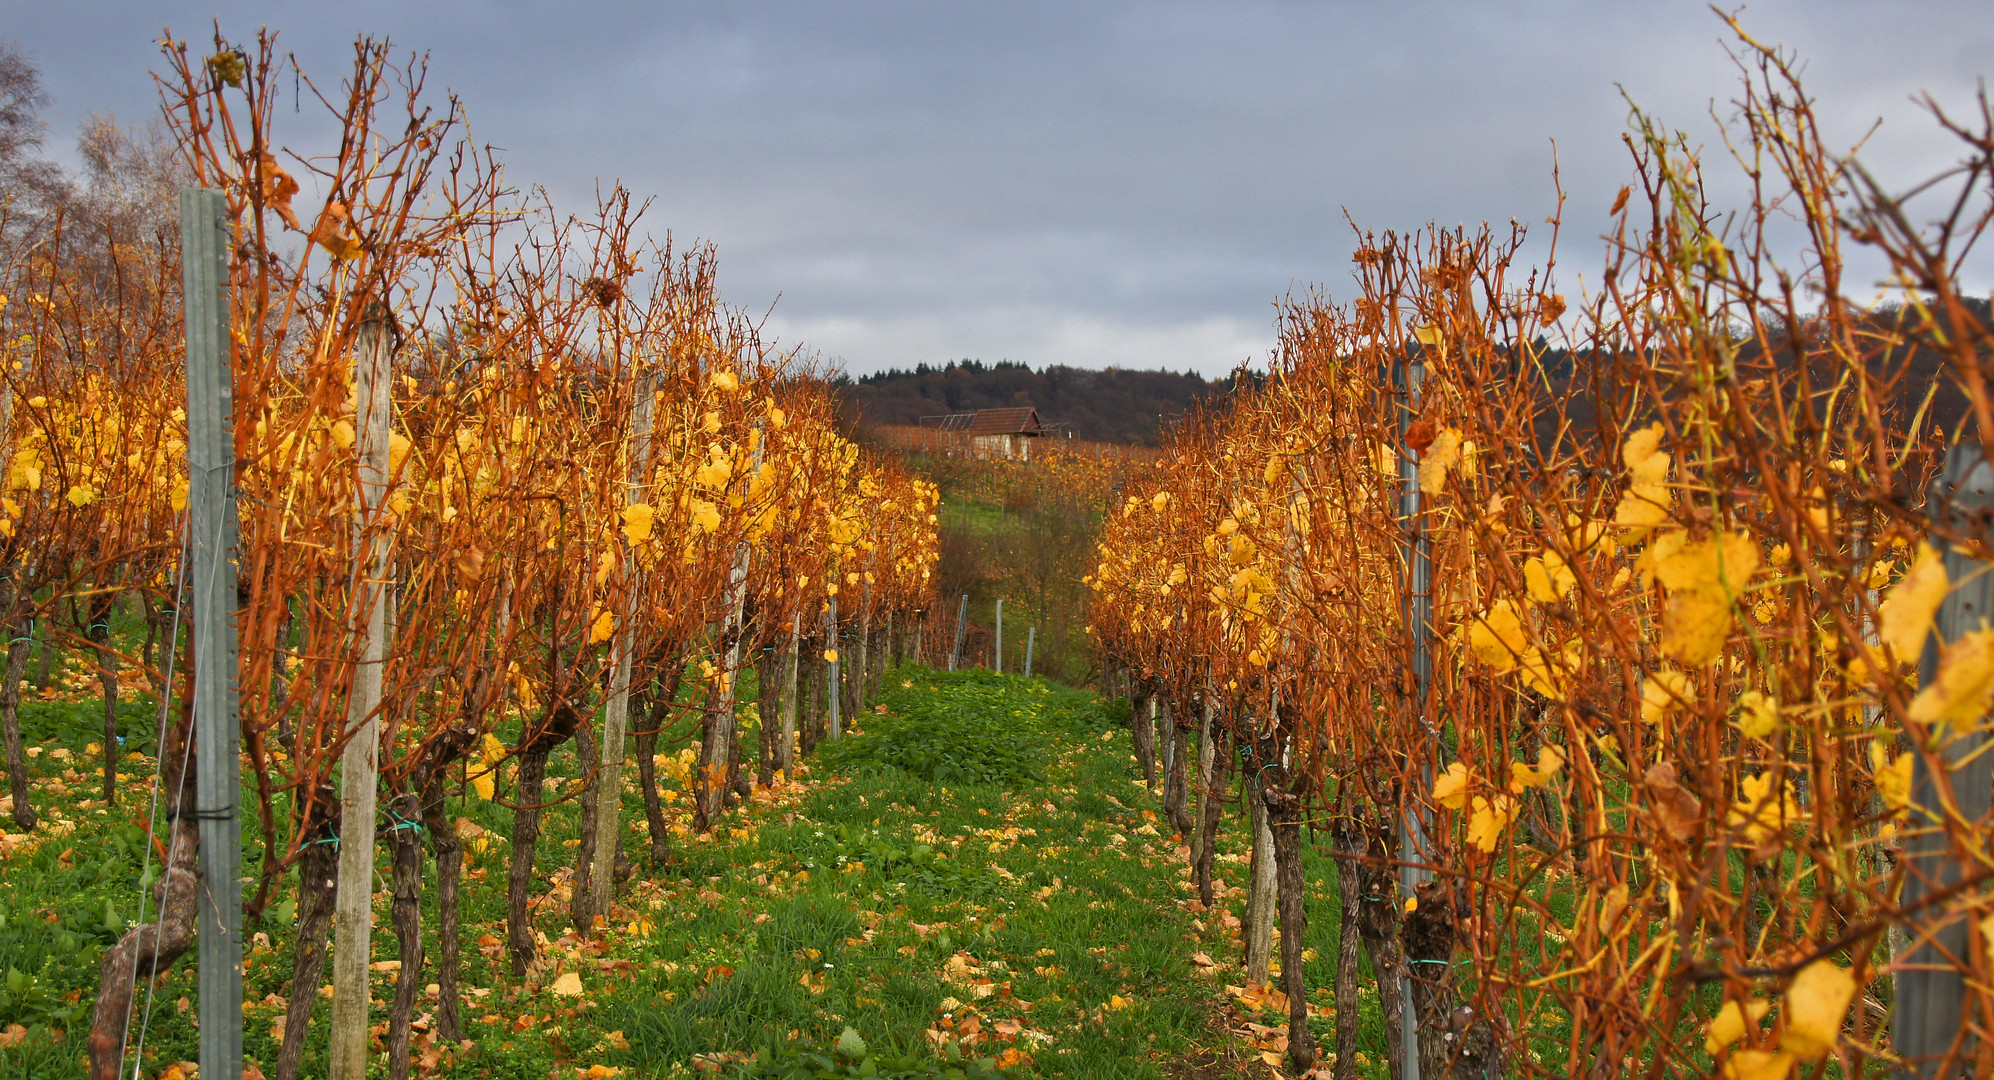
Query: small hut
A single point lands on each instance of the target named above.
(995, 434)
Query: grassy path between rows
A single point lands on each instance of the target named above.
(978, 869)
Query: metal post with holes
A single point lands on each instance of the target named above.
(1930, 1029)
(961, 625)
(213, 535)
(1414, 849)
(834, 725)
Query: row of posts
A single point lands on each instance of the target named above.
(997, 650)
(1930, 991)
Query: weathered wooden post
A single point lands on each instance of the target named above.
(785, 753)
(1031, 639)
(360, 760)
(616, 711)
(212, 531)
(1931, 1015)
(997, 653)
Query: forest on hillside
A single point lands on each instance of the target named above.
(1114, 405)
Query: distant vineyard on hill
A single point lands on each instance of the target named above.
(1116, 405)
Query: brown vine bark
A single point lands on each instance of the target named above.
(1429, 933)
(560, 725)
(1142, 729)
(24, 814)
(455, 744)
(145, 951)
(405, 845)
(647, 767)
(99, 633)
(318, 886)
(1284, 817)
(768, 706)
(1347, 842)
(581, 909)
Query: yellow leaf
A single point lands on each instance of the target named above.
(342, 434)
(1906, 614)
(568, 985)
(1965, 686)
(484, 785)
(830, 656)
(1491, 816)
(81, 495)
(725, 381)
(1732, 1022)
(1440, 456)
(1161, 500)
(1548, 578)
(491, 750)
(1450, 789)
(1648, 497)
(1892, 778)
(603, 628)
(637, 520)
(714, 474)
(1646, 461)
(1496, 636)
(398, 450)
(1815, 1004)
(1760, 812)
(1694, 627)
(1545, 673)
(1663, 693)
(1759, 1065)
(705, 516)
(1522, 777)
(1758, 714)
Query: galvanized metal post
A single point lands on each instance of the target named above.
(1931, 985)
(1414, 849)
(1031, 639)
(834, 724)
(961, 625)
(997, 654)
(212, 529)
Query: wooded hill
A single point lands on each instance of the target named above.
(1115, 405)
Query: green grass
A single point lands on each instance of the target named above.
(978, 856)
(962, 514)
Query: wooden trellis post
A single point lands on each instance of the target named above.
(616, 711)
(360, 761)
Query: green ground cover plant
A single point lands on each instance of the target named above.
(970, 883)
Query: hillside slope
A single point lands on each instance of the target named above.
(1106, 406)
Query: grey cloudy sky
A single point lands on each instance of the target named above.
(1082, 183)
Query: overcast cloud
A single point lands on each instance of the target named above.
(1087, 184)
